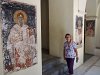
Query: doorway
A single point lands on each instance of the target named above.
(87, 55)
(45, 25)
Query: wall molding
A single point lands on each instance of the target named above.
(91, 17)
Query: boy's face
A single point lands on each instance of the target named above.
(68, 38)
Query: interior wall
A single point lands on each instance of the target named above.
(98, 28)
(98, 1)
(90, 41)
(91, 9)
(1, 58)
(36, 69)
(82, 5)
(79, 10)
(62, 15)
(97, 41)
(45, 24)
(60, 23)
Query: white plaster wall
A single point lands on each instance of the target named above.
(98, 1)
(82, 5)
(60, 23)
(36, 69)
(91, 7)
(91, 42)
(97, 41)
(62, 14)
(97, 31)
(79, 5)
(1, 58)
(80, 50)
(89, 45)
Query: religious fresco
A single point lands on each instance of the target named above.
(19, 35)
(90, 28)
(78, 31)
(0, 9)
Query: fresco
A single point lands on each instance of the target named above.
(78, 31)
(90, 28)
(19, 34)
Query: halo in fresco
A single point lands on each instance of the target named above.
(19, 13)
(19, 34)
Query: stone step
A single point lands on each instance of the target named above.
(51, 62)
(59, 69)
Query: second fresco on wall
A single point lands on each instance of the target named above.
(19, 34)
(90, 28)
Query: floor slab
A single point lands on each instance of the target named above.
(87, 57)
(98, 63)
(86, 66)
(93, 71)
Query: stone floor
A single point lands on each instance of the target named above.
(90, 67)
(87, 56)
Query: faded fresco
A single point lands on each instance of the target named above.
(90, 28)
(0, 9)
(19, 34)
(78, 31)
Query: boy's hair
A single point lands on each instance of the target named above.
(67, 35)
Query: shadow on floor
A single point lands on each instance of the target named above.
(87, 56)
